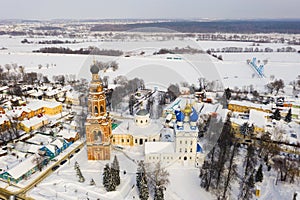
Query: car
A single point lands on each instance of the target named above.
(63, 162)
(77, 150)
(55, 167)
(70, 156)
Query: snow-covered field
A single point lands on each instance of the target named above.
(159, 70)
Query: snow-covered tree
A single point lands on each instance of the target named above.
(246, 129)
(158, 180)
(159, 193)
(141, 181)
(108, 182)
(276, 115)
(143, 190)
(78, 172)
(115, 171)
(259, 175)
(288, 117)
(92, 182)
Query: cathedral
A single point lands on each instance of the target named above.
(98, 122)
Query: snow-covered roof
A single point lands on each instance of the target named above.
(26, 147)
(40, 139)
(34, 121)
(67, 134)
(37, 104)
(23, 167)
(258, 118)
(159, 147)
(51, 147)
(58, 143)
(37, 94)
(129, 127)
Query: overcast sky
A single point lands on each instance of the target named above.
(112, 9)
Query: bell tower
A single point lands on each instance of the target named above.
(98, 123)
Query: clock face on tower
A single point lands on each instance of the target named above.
(98, 123)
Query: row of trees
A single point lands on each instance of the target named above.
(85, 51)
(126, 87)
(220, 170)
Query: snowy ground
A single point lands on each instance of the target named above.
(63, 183)
(159, 71)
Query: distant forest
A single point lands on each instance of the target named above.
(245, 26)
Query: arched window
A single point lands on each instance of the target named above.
(97, 136)
(101, 109)
(96, 110)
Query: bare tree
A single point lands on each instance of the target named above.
(7, 67)
(38, 160)
(158, 180)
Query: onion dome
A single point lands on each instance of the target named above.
(194, 115)
(187, 110)
(179, 116)
(94, 69)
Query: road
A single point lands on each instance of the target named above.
(21, 194)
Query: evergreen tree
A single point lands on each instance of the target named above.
(78, 172)
(288, 117)
(259, 174)
(159, 193)
(141, 181)
(106, 176)
(276, 115)
(143, 190)
(108, 179)
(140, 173)
(92, 182)
(115, 171)
(246, 129)
(228, 93)
(131, 104)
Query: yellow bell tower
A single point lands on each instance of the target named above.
(98, 123)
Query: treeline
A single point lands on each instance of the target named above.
(50, 42)
(176, 50)
(88, 51)
(237, 26)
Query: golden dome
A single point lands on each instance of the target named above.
(187, 110)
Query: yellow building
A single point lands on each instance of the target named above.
(257, 118)
(246, 106)
(33, 123)
(137, 131)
